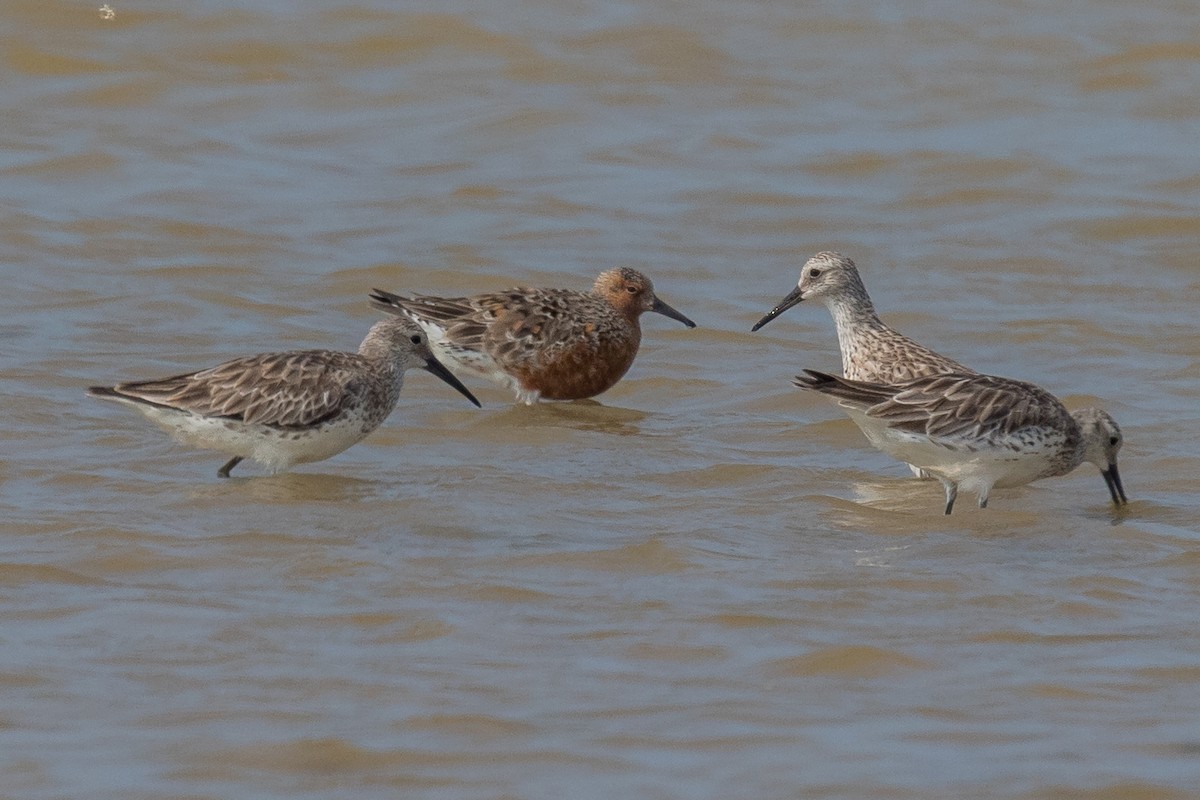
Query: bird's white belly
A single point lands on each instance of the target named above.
(275, 448)
(973, 463)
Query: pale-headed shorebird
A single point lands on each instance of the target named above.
(977, 432)
(871, 351)
(281, 409)
(552, 344)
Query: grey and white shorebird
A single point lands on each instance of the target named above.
(544, 344)
(977, 432)
(288, 408)
(871, 350)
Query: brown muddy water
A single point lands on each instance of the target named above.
(706, 585)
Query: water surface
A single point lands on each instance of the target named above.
(704, 585)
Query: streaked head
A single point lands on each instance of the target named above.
(401, 340)
(632, 293)
(1101, 440)
(827, 276)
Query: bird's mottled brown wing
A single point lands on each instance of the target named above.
(293, 389)
(513, 326)
(463, 319)
(956, 406)
(533, 328)
(950, 406)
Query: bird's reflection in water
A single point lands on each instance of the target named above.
(291, 487)
(584, 415)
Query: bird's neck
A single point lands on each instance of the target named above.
(854, 317)
(1082, 443)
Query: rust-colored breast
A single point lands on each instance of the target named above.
(580, 371)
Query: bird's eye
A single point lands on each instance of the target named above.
(814, 273)
(1112, 440)
(415, 338)
(631, 289)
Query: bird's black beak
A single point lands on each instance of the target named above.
(792, 299)
(1113, 479)
(437, 368)
(662, 308)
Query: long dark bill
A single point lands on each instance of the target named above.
(660, 307)
(792, 299)
(1113, 479)
(436, 367)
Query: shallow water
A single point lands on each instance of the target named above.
(706, 584)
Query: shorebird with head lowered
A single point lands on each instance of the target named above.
(544, 344)
(977, 432)
(288, 408)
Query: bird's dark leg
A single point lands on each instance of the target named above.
(951, 494)
(233, 462)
